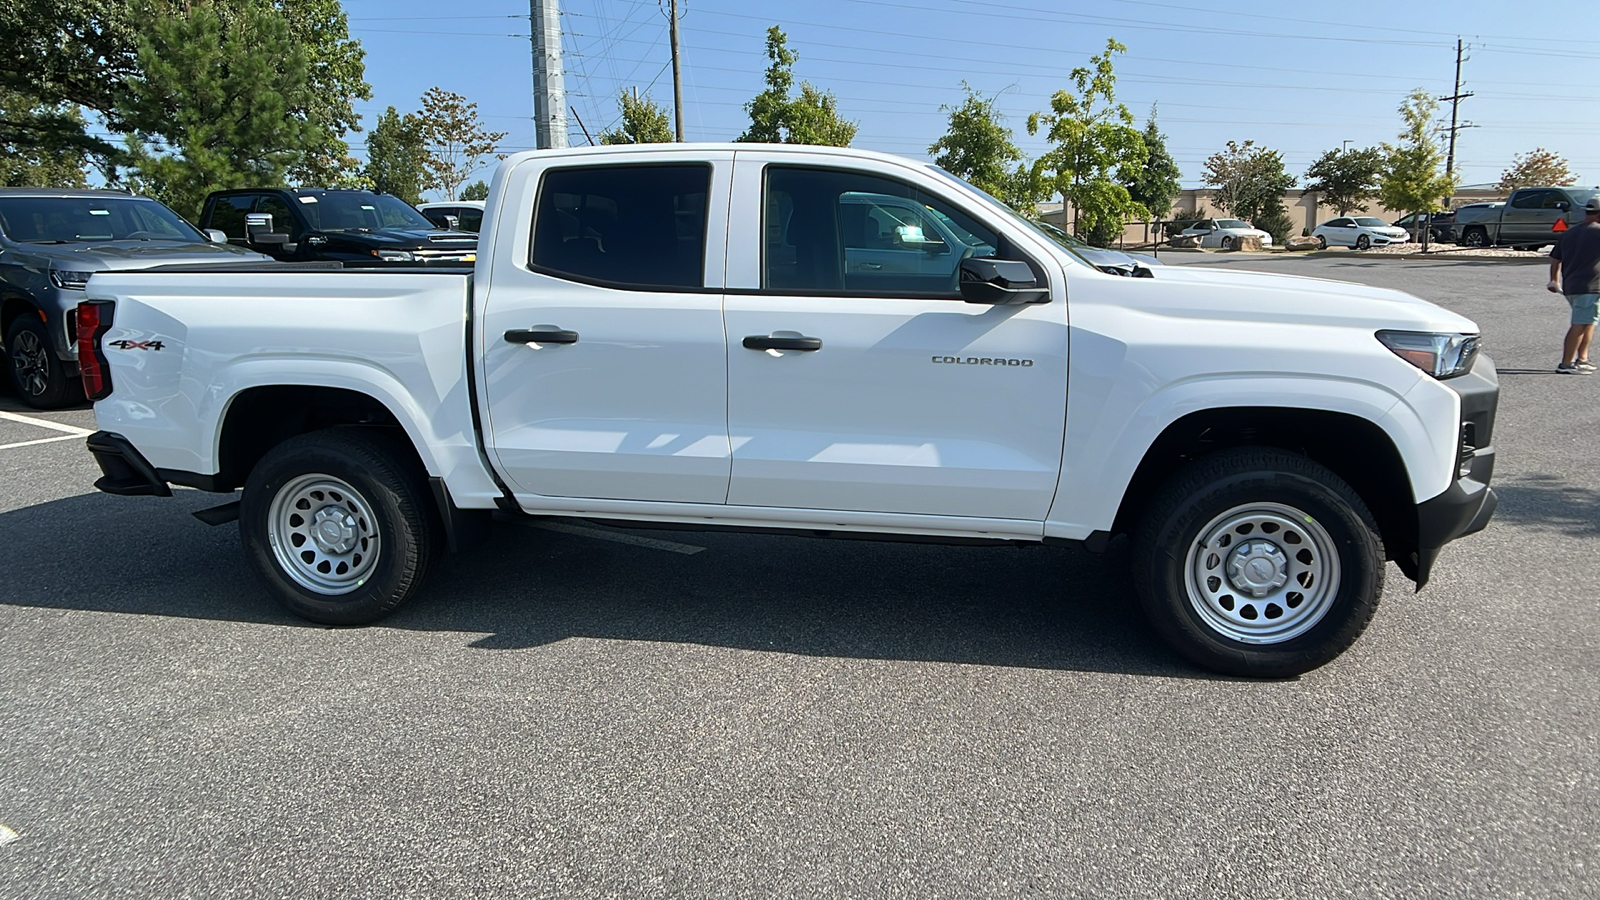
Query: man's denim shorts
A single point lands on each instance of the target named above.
(1585, 308)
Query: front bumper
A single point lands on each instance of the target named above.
(1467, 505)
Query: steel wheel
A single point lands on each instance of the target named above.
(1262, 573)
(323, 534)
(30, 363)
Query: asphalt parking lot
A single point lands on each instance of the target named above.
(581, 712)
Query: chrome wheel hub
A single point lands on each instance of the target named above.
(323, 534)
(1262, 573)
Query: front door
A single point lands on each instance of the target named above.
(1531, 216)
(877, 390)
(604, 359)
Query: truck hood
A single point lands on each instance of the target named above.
(398, 239)
(108, 255)
(1201, 292)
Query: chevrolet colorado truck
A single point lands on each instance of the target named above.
(782, 338)
(1530, 217)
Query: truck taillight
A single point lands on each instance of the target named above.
(94, 320)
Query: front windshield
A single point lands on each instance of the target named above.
(1370, 222)
(362, 211)
(1055, 235)
(1232, 223)
(70, 220)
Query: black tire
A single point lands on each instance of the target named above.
(1322, 242)
(1476, 236)
(1227, 243)
(1297, 496)
(1363, 242)
(364, 480)
(39, 377)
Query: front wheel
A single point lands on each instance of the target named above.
(1363, 242)
(337, 524)
(39, 377)
(1227, 243)
(1322, 242)
(1258, 562)
(1475, 237)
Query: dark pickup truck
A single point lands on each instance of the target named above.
(353, 226)
(1527, 219)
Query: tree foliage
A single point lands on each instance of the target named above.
(778, 118)
(643, 122)
(38, 146)
(213, 105)
(1346, 179)
(87, 53)
(397, 156)
(1249, 180)
(1156, 185)
(457, 142)
(478, 190)
(1412, 182)
(1274, 220)
(1538, 168)
(1095, 150)
(979, 148)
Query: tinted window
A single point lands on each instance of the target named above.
(227, 214)
(1370, 222)
(283, 220)
(471, 219)
(1532, 199)
(851, 232)
(631, 226)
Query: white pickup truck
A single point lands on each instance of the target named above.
(814, 340)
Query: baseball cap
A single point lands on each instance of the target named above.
(1593, 206)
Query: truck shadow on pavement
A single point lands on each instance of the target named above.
(1034, 607)
(1549, 503)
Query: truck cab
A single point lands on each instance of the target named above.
(359, 228)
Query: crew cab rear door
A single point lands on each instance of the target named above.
(878, 389)
(604, 361)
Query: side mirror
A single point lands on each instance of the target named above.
(1000, 282)
(258, 230)
(216, 236)
(1563, 205)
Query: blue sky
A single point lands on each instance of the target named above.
(1296, 78)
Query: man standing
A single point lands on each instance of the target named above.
(1575, 272)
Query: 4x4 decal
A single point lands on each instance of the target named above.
(137, 345)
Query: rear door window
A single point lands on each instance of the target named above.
(635, 227)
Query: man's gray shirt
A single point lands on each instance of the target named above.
(1579, 252)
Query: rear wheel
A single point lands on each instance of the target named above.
(1258, 562)
(337, 524)
(39, 377)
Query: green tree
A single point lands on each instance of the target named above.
(457, 142)
(397, 156)
(643, 122)
(56, 54)
(1539, 168)
(1095, 150)
(213, 106)
(1274, 220)
(38, 144)
(1156, 184)
(337, 78)
(478, 190)
(979, 149)
(1346, 179)
(1412, 182)
(777, 118)
(1249, 180)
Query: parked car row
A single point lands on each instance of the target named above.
(52, 240)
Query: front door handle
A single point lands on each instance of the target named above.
(770, 342)
(541, 336)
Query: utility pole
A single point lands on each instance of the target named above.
(677, 77)
(1455, 106)
(549, 91)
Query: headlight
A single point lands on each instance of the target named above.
(1440, 355)
(395, 255)
(70, 281)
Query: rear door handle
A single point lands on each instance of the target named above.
(769, 342)
(543, 336)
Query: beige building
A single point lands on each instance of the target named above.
(1306, 209)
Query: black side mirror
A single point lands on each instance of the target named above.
(1563, 205)
(258, 230)
(1000, 282)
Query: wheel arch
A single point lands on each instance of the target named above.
(1356, 449)
(260, 418)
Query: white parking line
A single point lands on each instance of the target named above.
(52, 440)
(598, 534)
(46, 423)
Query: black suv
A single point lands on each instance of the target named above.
(355, 227)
